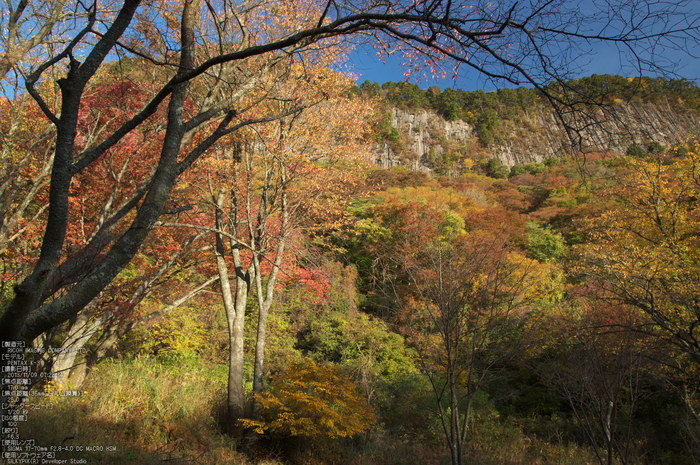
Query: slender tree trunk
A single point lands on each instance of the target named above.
(607, 429)
(265, 303)
(455, 419)
(259, 359)
(237, 397)
(235, 317)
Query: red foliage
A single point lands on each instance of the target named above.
(313, 280)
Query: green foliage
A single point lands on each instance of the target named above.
(7, 293)
(654, 148)
(680, 151)
(364, 346)
(370, 89)
(532, 168)
(385, 130)
(479, 108)
(449, 106)
(635, 151)
(551, 161)
(607, 88)
(281, 342)
(496, 169)
(495, 440)
(487, 126)
(360, 343)
(327, 337)
(543, 244)
(405, 95)
(452, 226)
(517, 170)
(485, 135)
(445, 164)
(614, 162)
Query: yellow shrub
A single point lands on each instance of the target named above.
(316, 401)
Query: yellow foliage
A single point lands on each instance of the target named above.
(646, 249)
(432, 195)
(316, 401)
(179, 336)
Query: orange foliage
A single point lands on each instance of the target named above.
(316, 401)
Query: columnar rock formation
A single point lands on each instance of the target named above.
(533, 136)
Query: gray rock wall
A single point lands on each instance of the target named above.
(536, 135)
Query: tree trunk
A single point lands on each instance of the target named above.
(235, 316)
(264, 304)
(455, 419)
(607, 429)
(235, 307)
(64, 364)
(82, 330)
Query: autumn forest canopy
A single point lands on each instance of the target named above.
(217, 248)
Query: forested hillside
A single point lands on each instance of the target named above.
(217, 248)
(296, 303)
(438, 130)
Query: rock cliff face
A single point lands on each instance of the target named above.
(421, 134)
(533, 136)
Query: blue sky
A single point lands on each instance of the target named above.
(369, 67)
(365, 63)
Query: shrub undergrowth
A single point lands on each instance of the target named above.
(150, 410)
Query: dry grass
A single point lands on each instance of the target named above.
(139, 412)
